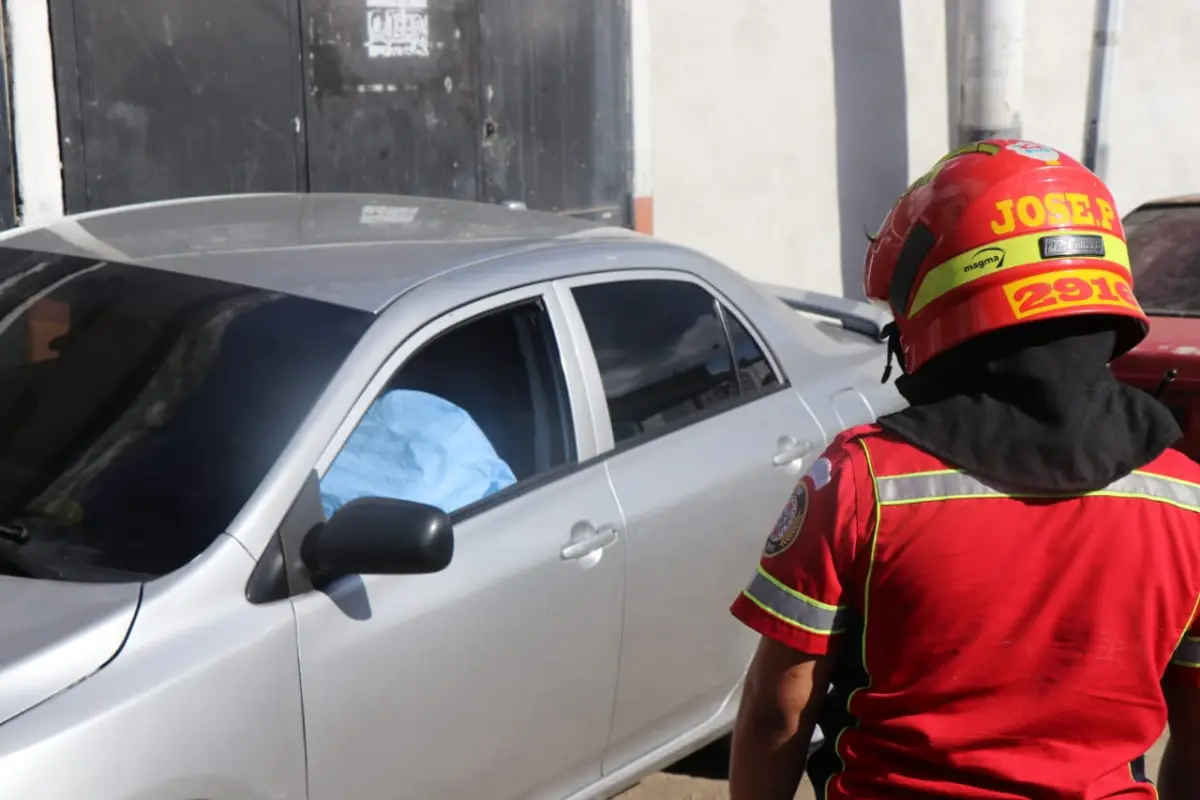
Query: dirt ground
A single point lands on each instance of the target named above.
(699, 782)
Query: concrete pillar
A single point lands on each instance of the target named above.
(1104, 55)
(991, 70)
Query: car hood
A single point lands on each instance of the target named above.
(54, 634)
(1173, 343)
(1179, 335)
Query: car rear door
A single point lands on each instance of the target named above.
(496, 677)
(702, 456)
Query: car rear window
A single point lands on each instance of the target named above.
(1164, 250)
(139, 409)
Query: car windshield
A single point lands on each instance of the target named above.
(1164, 250)
(139, 409)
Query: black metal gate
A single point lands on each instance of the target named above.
(555, 96)
(401, 111)
(473, 99)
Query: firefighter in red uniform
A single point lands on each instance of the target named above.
(1000, 582)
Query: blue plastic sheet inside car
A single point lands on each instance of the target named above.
(419, 447)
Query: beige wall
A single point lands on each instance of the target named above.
(782, 128)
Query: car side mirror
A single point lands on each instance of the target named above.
(380, 536)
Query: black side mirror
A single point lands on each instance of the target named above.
(380, 536)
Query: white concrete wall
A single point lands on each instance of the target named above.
(783, 128)
(34, 111)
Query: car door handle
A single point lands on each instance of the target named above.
(599, 539)
(790, 451)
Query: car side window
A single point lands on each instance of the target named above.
(754, 370)
(478, 409)
(663, 353)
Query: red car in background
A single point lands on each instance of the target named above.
(1164, 249)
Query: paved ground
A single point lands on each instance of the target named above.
(686, 787)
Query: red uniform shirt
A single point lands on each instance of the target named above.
(989, 645)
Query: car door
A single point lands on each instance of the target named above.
(495, 678)
(704, 454)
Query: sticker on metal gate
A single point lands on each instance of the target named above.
(397, 28)
(787, 528)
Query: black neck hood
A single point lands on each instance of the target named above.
(1034, 408)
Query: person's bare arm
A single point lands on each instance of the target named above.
(780, 703)
(1179, 777)
(808, 579)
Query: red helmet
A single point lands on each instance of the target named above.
(1001, 233)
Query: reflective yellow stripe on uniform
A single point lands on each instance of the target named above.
(1188, 653)
(924, 487)
(792, 607)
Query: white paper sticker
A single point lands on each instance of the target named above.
(387, 215)
(397, 28)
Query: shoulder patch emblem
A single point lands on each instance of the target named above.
(787, 528)
(821, 472)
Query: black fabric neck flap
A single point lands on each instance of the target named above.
(1035, 408)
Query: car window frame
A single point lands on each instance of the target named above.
(578, 398)
(1153, 213)
(586, 355)
(727, 311)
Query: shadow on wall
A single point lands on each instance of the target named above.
(871, 108)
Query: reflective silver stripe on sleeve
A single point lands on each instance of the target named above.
(792, 607)
(928, 486)
(932, 486)
(1143, 484)
(1188, 653)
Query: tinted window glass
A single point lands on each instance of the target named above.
(1164, 250)
(140, 409)
(662, 351)
(478, 409)
(754, 371)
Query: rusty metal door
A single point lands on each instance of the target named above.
(488, 100)
(177, 98)
(392, 96)
(557, 132)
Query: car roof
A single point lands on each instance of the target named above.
(1169, 202)
(358, 250)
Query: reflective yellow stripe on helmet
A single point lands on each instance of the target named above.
(1019, 251)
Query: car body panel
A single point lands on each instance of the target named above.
(820, 354)
(513, 669)
(699, 503)
(1163, 236)
(203, 702)
(1173, 343)
(498, 672)
(479, 617)
(54, 635)
(696, 500)
(356, 250)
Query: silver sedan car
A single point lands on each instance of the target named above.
(356, 497)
